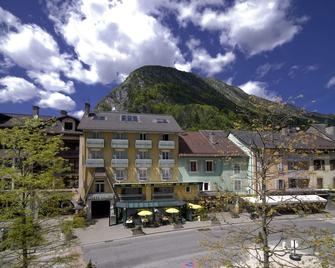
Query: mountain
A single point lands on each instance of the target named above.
(197, 102)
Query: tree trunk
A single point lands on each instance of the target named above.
(264, 232)
(24, 235)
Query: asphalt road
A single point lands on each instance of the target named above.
(174, 249)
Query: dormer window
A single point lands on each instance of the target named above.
(68, 125)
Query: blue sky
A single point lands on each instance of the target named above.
(60, 54)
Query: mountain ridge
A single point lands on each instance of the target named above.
(195, 102)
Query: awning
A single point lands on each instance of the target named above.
(150, 204)
(100, 196)
(286, 199)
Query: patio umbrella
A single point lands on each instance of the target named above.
(144, 213)
(172, 210)
(194, 206)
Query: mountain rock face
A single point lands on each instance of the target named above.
(197, 102)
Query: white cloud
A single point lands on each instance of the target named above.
(78, 114)
(254, 26)
(56, 100)
(202, 60)
(52, 82)
(331, 82)
(259, 89)
(16, 90)
(265, 68)
(105, 38)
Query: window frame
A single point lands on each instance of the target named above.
(212, 165)
(240, 186)
(235, 169)
(196, 166)
(101, 185)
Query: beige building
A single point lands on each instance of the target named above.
(128, 162)
(300, 161)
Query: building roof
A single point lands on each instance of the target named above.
(194, 143)
(328, 131)
(207, 143)
(112, 121)
(8, 120)
(219, 140)
(298, 140)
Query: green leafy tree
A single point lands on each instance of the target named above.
(30, 171)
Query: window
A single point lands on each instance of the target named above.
(237, 169)
(280, 167)
(238, 185)
(297, 165)
(95, 154)
(129, 118)
(143, 154)
(334, 182)
(166, 173)
(95, 135)
(143, 136)
(165, 137)
(120, 174)
(209, 165)
(165, 155)
(120, 155)
(120, 136)
(142, 174)
(68, 126)
(99, 117)
(298, 183)
(187, 189)
(319, 183)
(319, 164)
(332, 164)
(193, 166)
(204, 186)
(280, 184)
(99, 186)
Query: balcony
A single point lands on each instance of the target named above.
(143, 163)
(143, 144)
(120, 163)
(95, 143)
(121, 144)
(166, 163)
(166, 145)
(95, 163)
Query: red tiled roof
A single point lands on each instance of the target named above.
(195, 143)
(207, 142)
(219, 140)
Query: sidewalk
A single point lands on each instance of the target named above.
(102, 232)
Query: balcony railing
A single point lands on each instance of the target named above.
(120, 163)
(166, 163)
(143, 163)
(143, 144)
(116, 143)
(95, 163)
(95, 143)
(166, 145)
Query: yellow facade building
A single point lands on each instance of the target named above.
(130, 162)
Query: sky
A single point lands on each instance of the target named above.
(59, 54)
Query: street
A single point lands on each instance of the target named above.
(173, 249)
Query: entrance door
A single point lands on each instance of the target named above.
(100, 209)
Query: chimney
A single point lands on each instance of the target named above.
(63, 113)
(87, 109)
(36, 111)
